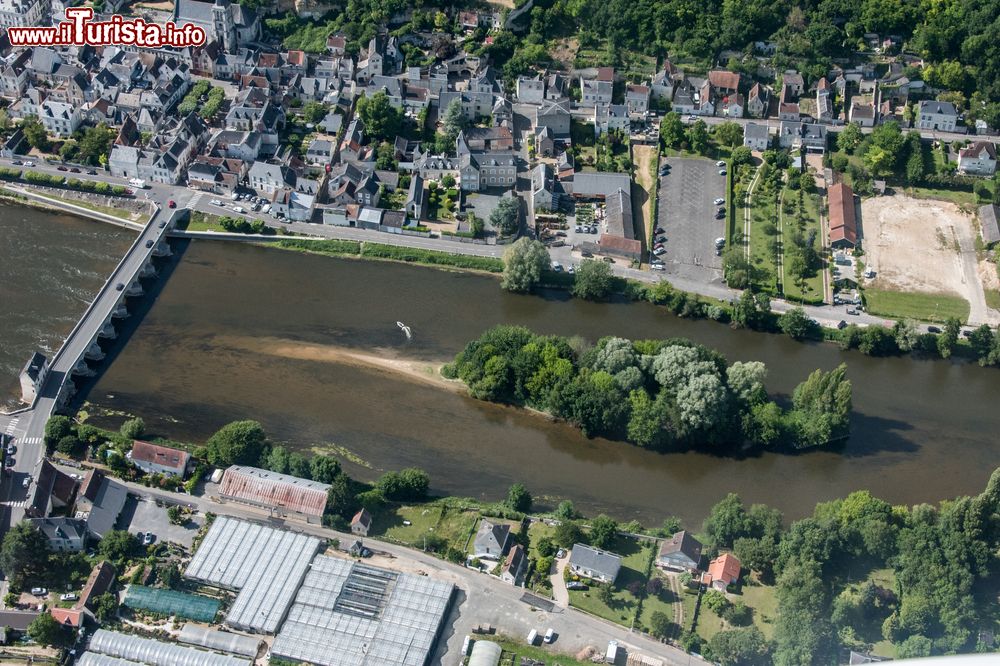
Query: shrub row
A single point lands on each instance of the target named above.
(414, 255)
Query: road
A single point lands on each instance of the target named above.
(483, 598)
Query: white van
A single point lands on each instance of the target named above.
(532, 637)
(465, 645)
(137, 182)
(550, 635)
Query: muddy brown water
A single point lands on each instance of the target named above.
(204, 355)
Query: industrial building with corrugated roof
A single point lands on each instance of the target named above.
(265, 564)
(279, 493)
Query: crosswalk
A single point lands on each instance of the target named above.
(19, 503)
(32, 440)
(12, 426)
(193, 201)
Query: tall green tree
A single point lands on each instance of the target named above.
(523, 263)
(382, 121)
(23, 555)
(237, 443)
(593, 280)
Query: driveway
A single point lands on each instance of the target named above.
(560, 595)
(686, 212)
(148, 515)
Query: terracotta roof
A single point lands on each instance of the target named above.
(91, 484)
(68, 617)
(721, 78)
(975, 149)
(843, 225)
(362, 518)
(270, 489)
(605, 73)
(160, 455)
(725, 567)
(621, 244)
(100, 581)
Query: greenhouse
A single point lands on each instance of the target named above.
(170, 602)
(126, 649)
(222, 641)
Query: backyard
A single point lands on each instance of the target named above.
(635, 562)
(426, 521)
(800, 219)
(765, 241)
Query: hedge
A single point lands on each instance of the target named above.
(414, 255)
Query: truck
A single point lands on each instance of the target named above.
(138, 183)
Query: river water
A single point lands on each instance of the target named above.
(246, 332)
(51, 266)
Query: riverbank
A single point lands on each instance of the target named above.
(23, 197)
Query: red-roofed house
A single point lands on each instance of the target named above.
(156, 459)
(361, 523)
(68, 617)
(724, 570)
(724, 81)
(843, 223)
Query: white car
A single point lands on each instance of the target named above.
(39, 591)
(239, 209)
(29, 164)
(147, 538)
(721, 163)
(69, 596)
(556, 266)
(26, 482)
(265, 208)
(719, 201)
(658, 267)
(659, 251)
(216, 202)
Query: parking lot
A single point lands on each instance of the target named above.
(145, 515)
(687, 214)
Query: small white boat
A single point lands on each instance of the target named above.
(406, 329)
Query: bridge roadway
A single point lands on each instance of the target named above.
(28, 425)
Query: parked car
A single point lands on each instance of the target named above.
(26, 482)
(556, 266)
(62, 168)
(720, 242)
(593, 228)
(720, 201)
(607, 260)
(691, 119)
(721, 163)
(722, 172)
(658, 230)
(148, 538)
(933, 329)
(587, 253)
(16, 162)
(561, 553)
(561, 234)
(571, 270)
(39, 591)
(29, 164)
(578, 229)
(163, 224)
(69, 596)
(852, 311)
(10, 462)
(216, 202)
(575, 585)
(120, 286)
(659, 251)
(149, 243)
(171, 203)
(11, 449)
(658, 267)
(74, 170)
(239, 209)
(550, 635)
(91, 172)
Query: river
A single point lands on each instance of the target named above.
(214, 347)
(51, 266)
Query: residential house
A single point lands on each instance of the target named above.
(637, 100)
(492, 540)
(545, 142)
(530, 90)
(60, 118)
(595, 91)
(68, 617)
(824, 101)
(157, 459)
(53, 489)
(793, 82)
(594, 563)
(334, 214)
(361, 523)
(321, 151)
(266, 178)
(63, 534)
(19, 13)
(611, 118)
(724, 81)
(809, 137)
(565, 165)
(556, 87)
(515, 566)
(723, 571)
(100, 502)
(336, 44)
(547, 193)
(733, 105)
(756, 137)
(758, 101)
(843, 222)
(234, 144)
(937, 116)
(978, 159)
(862, 112)
(101, 578)
(681, 552)
(662, 86)
(555, 115)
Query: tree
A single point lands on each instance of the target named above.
(237, 443)
(603, 531)
(313, 111)
(523, 263)
(385, 156)
(593, 280)
(565, 510)
(106, 607)
(46, 631)
(660, 625)
(797, 324)
(849, 138)
(739, 647)
(453, 121)
(23, 555)
(727, 521)
(506, 216)
(697, 137)
(68, 445)
(175, 515)
(949, 337)
(382, 121)
(729, 134)
(518, 498)
(340, 498)
(914, 647)
(35, 134)
(133, 428)
(95, 143)
(298, 465)
(606, 594)
(324, 469)
(170, 576)
(56, 428)
(741, 155)
(671, 130)
(410, 484)
(566, 534)
(118, 546)
(277, 460)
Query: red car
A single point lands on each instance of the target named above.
(171, 204)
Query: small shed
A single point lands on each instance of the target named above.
(485, 653)
(988, 223)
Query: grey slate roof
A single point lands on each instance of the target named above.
(682, 543)
(596, 560)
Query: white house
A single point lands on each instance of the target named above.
(978, 159)
(938, 116)
(756, 137)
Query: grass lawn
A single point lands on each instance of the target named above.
(993, 298)
(645, 184)
(709, 624)
(763, 230)
(200, 221)
(763, 600)
(663, 602)
(117, 212)
(954, 196)
(635, 557)
(584, 140)
(450, 524)
(536, 532)
(806, 223)
(911, 305)
(549, 656)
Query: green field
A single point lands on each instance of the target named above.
(763, 600)
(806, 221)
(515, 650)
(919, 306)
(635, 557)
(955, 196)
(663, 602)
(709, 624)
(763, 236)
(425, 519)
(993, 298)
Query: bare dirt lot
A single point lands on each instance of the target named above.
(923, 245)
